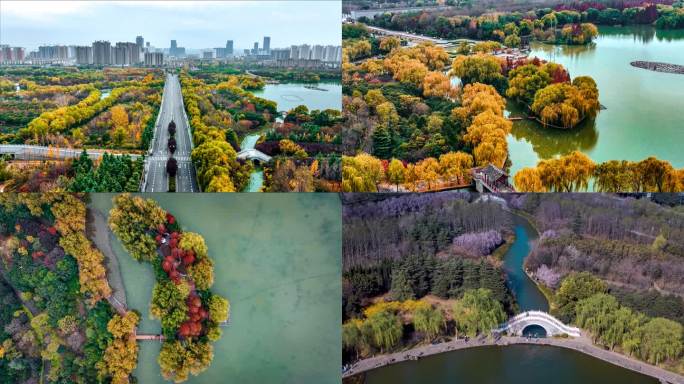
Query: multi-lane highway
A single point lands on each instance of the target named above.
(171, 109)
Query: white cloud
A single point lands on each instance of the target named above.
(42, 10)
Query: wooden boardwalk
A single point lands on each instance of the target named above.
(149, 337)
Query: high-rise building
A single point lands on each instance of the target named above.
(255, 50)
(84, 55)
(280, 54)
(126, 53)
(267, 45)
(207, 55)
(304, 52)
(18, 54)
(102, 53)
(294, 52)
(332, 54)
(140, 42)
(154, 59)
(175, 50)
(53, 52)
(318, 52)
(11, 54)
(229, 47)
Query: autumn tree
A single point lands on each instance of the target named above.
(456, 165)
(178, 360)
(528, 180)
(396, 173)
(478, 312)
(569, 173)
(361, 173)
(437, 84)
(479, 68)
(127, 218)
(387, 44)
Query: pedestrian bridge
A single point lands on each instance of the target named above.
(553, 327)
(253, 154)
(37, 152)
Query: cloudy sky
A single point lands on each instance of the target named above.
(194, 24)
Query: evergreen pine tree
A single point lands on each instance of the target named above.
(382, 143)
(401, 288)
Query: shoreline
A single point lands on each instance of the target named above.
(582, 345)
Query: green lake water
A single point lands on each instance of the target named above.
(278, 260)
(644, 108)
(291, 95)
(514, 364)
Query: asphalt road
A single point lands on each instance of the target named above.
(171, 109)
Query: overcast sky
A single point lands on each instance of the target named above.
(193, 24)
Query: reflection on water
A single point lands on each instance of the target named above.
(642, 116)
(549, 142)
(572, 51)
(534, 331)
(292, 95)
(514, 364)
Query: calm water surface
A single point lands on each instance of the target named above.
(524, 289)
(291, 95)
(515, 364)
(644, 108)
(278, 260)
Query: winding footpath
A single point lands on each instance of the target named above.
(581, 344)
(98, 232)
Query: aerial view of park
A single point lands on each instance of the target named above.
(460, 287)
(169, 288)
(500, 96)
(134, 109)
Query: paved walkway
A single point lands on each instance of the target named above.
(98, 232)
(581, 344)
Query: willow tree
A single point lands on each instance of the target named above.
(478, 312)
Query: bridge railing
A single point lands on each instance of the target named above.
(539, 316)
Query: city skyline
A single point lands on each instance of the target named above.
(201, 25)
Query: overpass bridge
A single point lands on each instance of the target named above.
(37, 152)
(407, 36)
(553, 327)
(253, 154)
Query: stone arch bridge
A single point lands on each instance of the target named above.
(253, 154)
(553, 327)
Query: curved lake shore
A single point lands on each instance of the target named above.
(582, 345)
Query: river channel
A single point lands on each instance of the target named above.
(514, 364)
(277, 260)
(643, 108)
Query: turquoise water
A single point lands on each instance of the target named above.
(526, 293)
(256, 178)
(256, 181)
(643, 108)
(278, 260)
(291, 95)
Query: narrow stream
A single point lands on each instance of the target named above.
(526, 292)
(256, 179)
